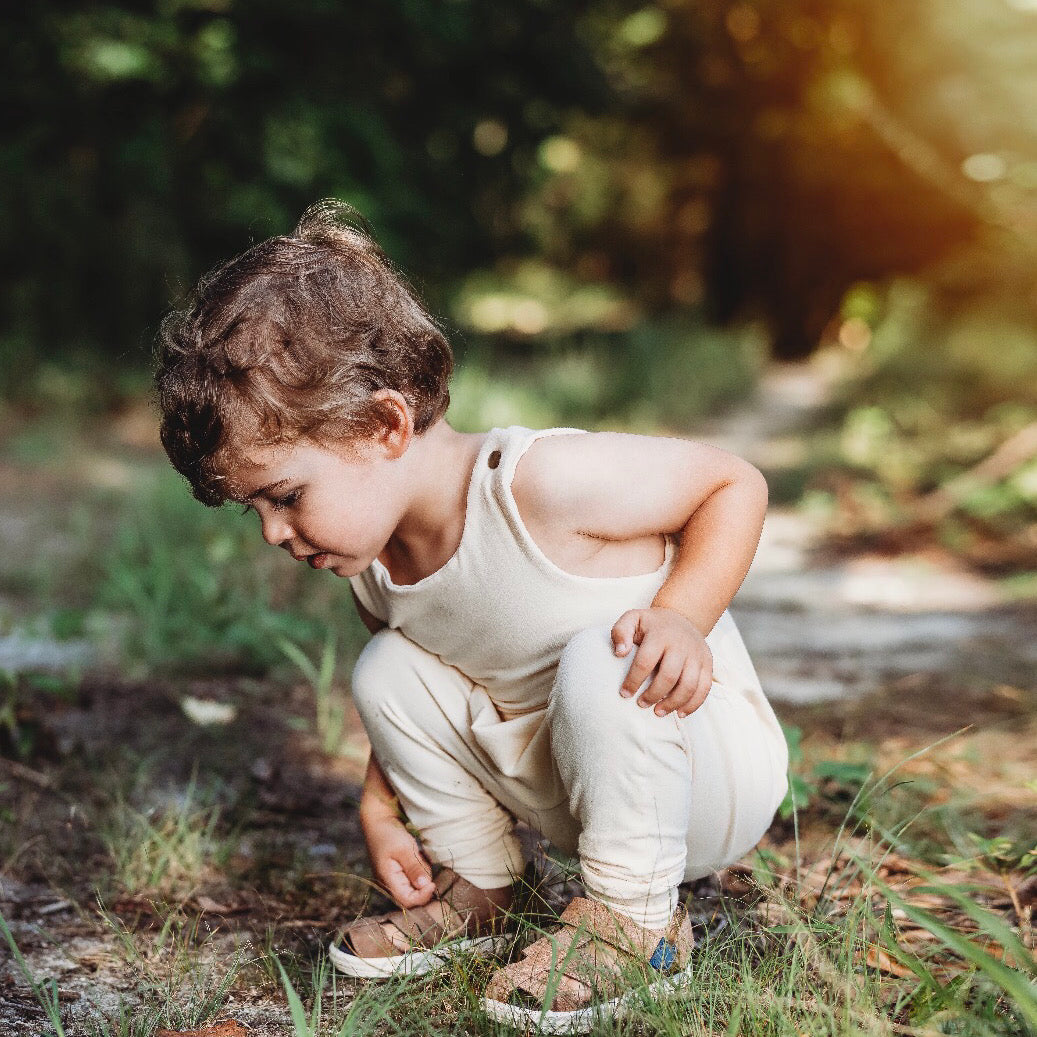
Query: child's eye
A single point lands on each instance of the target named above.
(279, 503)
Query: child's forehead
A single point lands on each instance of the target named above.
(248, 468)
(258, 466)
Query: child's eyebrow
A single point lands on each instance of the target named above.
(263, 489)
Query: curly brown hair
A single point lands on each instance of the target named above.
(287, 342)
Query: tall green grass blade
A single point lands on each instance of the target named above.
(46, 994)
(300, 658)
(295, 1008)
(991, 923)
(327, 664)
(1011, 981)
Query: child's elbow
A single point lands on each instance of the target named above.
(761, 484)
(755, 484)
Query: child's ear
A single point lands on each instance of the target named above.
(397, 429)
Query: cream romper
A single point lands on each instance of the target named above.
(494, 695)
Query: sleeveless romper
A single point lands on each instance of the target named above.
(483, 636)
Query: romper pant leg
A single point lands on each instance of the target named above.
(415, 709)
(659, 800)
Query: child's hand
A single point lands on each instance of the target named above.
(397, 861)
(672, 649)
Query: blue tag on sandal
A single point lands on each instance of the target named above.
(664, 957)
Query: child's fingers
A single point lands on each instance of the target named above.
(667, 677)
(401, 886)
(682, 693)
(705, 682)
(418, 870)
(645, 660)
(625, 631)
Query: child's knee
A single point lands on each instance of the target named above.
(384, 664)
(589, 673)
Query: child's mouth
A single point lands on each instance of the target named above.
(317, 561)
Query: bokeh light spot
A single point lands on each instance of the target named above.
(560, 154)
(855, 335)
(984, 167)
(643, 27)
(490, 137)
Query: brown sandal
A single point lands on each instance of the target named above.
(587, 970)
(414, 940)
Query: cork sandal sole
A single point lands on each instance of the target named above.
(582, 1020)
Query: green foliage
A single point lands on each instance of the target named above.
(1015, 983)
(368, 1010)
(166, 851)
(660, 375)
(331, 707)
(179, 985)
(194, 586)
(20, 726)
(753, 160)
(937, 433)
(832, 780)
(153, 141)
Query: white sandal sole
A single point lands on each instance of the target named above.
(413, 963)
(582, 1020)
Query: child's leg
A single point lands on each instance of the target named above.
(658, 799)
(415, 709)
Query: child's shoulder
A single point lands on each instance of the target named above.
(559, 472)
(614, 482)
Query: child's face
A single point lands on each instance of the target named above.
(334, 507)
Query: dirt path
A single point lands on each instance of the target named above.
(820, 630)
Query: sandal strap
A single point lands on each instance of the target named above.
(591, 947)
(465, 909)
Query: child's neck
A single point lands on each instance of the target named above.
(439, 468)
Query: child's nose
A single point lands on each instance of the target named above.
(276, 530)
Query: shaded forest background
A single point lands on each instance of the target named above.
(647, 201)
(610, 161)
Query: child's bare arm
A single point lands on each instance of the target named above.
(396, 857)
(615, 486)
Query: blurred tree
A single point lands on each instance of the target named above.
(148, 140)
(767, 155)
(755, 157)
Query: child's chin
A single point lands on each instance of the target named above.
(344, 569)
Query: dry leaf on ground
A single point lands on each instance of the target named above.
(230, 1028)
(877, 958)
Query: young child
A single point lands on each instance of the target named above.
(551, 642)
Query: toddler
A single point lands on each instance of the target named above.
(548, 609)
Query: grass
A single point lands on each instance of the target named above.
(661, 375)
(800, 960)
(165, 852)
(204, 597)
(44, 991)
(329, 701)
(181, 981)
(896, 911)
